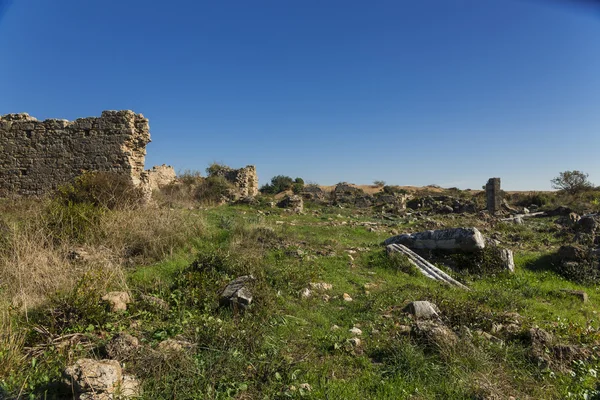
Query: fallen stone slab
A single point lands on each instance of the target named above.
(464, 239)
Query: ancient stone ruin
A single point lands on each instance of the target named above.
(158, 177)
(38, 156)
(493, 195)
(244, 179)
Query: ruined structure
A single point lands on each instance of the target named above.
(244, 179)
(38, 156)
(158, 176)
(493, 195)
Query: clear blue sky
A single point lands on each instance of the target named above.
(447, 92)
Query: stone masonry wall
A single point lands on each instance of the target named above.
(38, 156)
(245, 179)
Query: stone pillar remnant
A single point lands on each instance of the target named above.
(494, 198)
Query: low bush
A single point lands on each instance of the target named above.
(102, 189)
(213, 189)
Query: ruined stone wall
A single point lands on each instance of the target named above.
(158, 176)
(38, 156)
(245, 179)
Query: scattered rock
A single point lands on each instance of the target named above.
(292, 202)
(321, 286)
(237, 294)
(117, 300)
(347, 297)
(155, 302)
(568, 220)
(312, 192)
(435, 332)
(305, 293)
(587, 224)
(422, 310)
(130, 387)
(305, 386)
(355, 331)
(88, 375)
(355, 342)
(465, 239)
(506, 256)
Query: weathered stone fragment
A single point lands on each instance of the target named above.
(435, 333)
(506, 256)
(292, 202)
(88, 375)
(117, 300)
(237, 293)
(465, 239)
(422, 310)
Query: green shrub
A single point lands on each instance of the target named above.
(217, 169)
(539, 199)
(190, 177)
(393, 190)
(482, 263)
(213, 189)
(102, 189)
(297, 187)
(280, 183)
(72, 221)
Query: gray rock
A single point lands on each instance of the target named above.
(422, 310)
(587, 224)
(506, 256)
(435, 333)
(237, 293)
(294, 203)
(464, 239)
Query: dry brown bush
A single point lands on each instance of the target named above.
(34, 265)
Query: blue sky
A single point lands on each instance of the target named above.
(447, 92)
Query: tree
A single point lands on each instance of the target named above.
(280, 183)
(572, 182)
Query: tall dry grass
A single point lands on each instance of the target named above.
(148, 234)
(35, 260)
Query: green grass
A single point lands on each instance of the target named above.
(284, 341)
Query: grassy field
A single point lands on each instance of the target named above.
(285, 345)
